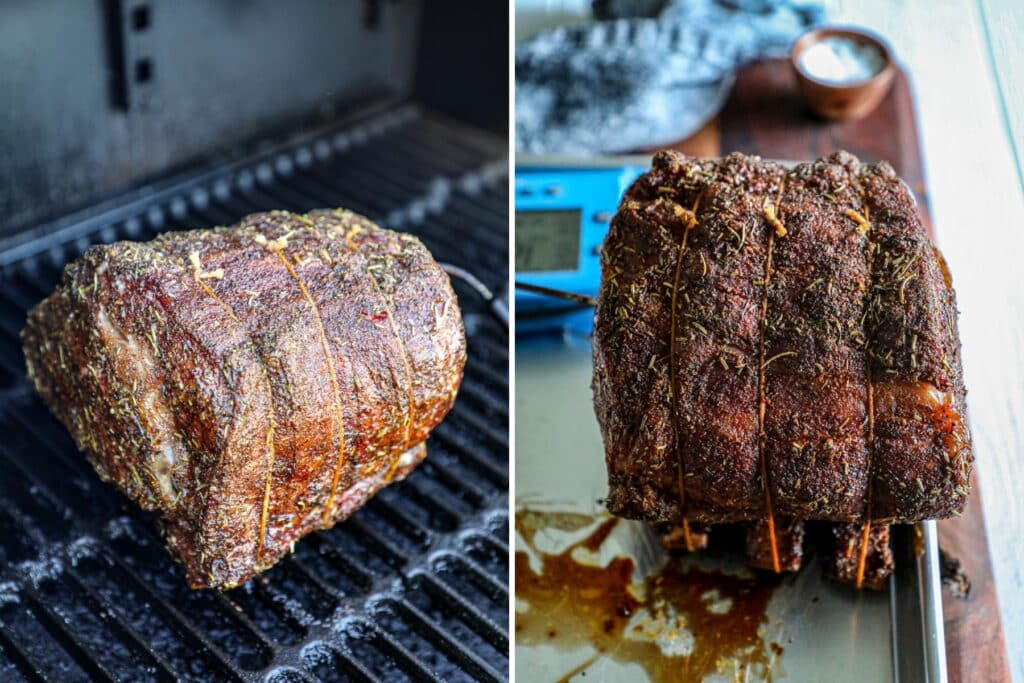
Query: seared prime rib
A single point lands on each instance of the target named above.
(777, 345)
(253, 383)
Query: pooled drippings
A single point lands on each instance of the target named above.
(679, 624)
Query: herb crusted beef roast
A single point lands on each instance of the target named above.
(777, 345)
(254, 383)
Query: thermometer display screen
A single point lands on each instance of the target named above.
(548, 240)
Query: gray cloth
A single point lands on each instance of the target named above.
(613, 86)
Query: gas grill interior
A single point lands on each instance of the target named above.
(412, 587)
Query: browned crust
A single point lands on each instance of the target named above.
(922, 451)
(419, 311)
(717, 342)
(632, 391)
(240, 368)
(109, 299)
(815, 360)
(284, 329)
(842, 380)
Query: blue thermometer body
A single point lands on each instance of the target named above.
(563, 211)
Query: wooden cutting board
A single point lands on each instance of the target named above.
(764, 115)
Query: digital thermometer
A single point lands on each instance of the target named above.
(563, 210)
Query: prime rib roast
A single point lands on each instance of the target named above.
(254, 383)
(776, 345)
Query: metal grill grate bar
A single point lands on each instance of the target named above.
(405, 658)
(186, 628)
(468, 454)
(460, 485)
(385, 549)
(473, 663)
(241, 620)
(164, 671)
(480, 576)
(67, 638)
(489, 374)
(26, 664)
(480, 622)
(482, 425)
(353, 667)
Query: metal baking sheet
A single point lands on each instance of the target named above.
(828, 632)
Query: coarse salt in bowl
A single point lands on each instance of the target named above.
(841, 61)
(843, 73)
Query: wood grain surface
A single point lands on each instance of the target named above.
(764, 116)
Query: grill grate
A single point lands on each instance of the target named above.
(412, 587)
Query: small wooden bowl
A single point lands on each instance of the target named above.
(837, 102)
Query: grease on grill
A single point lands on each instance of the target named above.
(678, 624)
